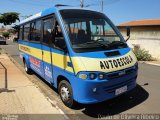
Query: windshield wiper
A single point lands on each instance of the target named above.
(94, 41)
(92, 44)
(118, 44)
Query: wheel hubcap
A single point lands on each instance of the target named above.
(65, 93)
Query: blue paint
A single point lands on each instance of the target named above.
(83, 90)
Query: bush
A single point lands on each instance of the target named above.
(142, 54)
(6, 34)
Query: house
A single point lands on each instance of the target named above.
(145, 33)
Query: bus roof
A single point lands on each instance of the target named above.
(47, 12)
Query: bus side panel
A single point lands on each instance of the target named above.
(47, 64)
(33, 55)
(36, 65)
(62, 65)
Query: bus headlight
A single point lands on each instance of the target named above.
(101, 76)
(83, 76)
(92, 76)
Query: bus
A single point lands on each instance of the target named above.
(79, 52)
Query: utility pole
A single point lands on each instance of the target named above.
(102, 3)
(82, 3)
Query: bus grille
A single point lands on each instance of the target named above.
(112, 88)
(118, 73)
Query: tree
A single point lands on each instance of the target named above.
(9, 18)
(5, 34)
(16, 28)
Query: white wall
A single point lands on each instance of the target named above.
(153, 46)
(149, 40)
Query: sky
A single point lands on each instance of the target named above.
(119, 11)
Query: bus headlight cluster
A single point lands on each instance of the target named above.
(101, 76)
(92, 76)
(83, 76)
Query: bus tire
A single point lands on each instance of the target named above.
(66, 94)
(27, 70)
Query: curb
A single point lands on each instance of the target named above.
(153, 64)
(149, 63)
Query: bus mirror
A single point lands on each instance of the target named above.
(128, 31)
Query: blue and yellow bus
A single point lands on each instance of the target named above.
(78, 51)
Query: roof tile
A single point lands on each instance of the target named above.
(141, 23)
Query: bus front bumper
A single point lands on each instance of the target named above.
(89, 92)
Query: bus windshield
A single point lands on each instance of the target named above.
(90, 31)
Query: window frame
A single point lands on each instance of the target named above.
(29, 31)
(53, 15)
(34, 21)
(21, 32)
(54, 46)
(42, 28)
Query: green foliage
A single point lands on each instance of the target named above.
(16, 28)
(142, 54)
(9, 18)
(5, 34)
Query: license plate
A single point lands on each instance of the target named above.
(121, 90)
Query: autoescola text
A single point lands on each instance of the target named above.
(115, 63)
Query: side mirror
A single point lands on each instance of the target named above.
(128, 32)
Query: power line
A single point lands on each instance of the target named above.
(102, 3)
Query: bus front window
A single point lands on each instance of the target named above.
(91, 31)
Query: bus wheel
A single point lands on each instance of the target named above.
(66, 94)
(28, 70)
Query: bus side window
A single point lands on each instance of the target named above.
(59, 42)
(36, 31)
(26, 32)
(21, 33)
(47, 31)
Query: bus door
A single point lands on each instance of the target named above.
(47, 42)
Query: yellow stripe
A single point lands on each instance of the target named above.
(58, 59)
(93, 64)
(61, 61)
(31, 51)
(47, 56)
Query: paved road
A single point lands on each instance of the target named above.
(145, 98)
(12, 49)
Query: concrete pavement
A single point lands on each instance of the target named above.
(22, 96)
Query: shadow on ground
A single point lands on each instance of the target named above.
(113, 106)
(117, 105)
(6, 90)
(48, 84)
